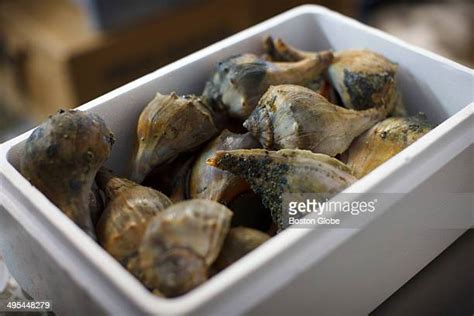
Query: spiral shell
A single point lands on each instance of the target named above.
(61, 158)
(273, 173)
(364, 79)
(129, 209)
(383, 141)
(295, 117)
(239, 81)
(168, 126)
(180, 245)
(210, 183)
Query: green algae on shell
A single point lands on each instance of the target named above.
(364, 79)
(273, 173)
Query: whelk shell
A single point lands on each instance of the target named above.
(295, 117)
(180, 245)
(273, 173)
(239, 81)
(211, 183)
(168, 126)
(383, 141)
(129, 209)
(61, 158)
(364, 79)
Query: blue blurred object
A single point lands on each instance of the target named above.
(113, 14)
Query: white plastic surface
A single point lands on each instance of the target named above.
(4, 275)
(52, 258)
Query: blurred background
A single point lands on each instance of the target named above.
(62, 53)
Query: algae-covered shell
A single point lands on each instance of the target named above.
(129, 209)
(239, 242)
(168, 126)
(364, 79)
(180, 245)
(239, 81)
(295, 117)
(61, 158)
(273, 173)
(211, 183)
(383, 141)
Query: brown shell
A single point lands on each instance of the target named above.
(239, 242)
(211, 183)
(173, 178)
(129, 209)
(168, 126)
(295, 117)
(239, 81)
(278, 50)
(383, 141)
(180, 244)
(273, 173)
(61, 158)
(364, 79)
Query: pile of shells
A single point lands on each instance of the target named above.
(208, 173)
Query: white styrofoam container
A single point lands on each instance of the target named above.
(330, 271)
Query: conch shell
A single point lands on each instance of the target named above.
(129, 209)
(61, 158)
(180, 245)
(168, 126)
(210, 183)
(383, 141)
(273, 173)
(364, 79)
(295, 117)
(239, 81)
